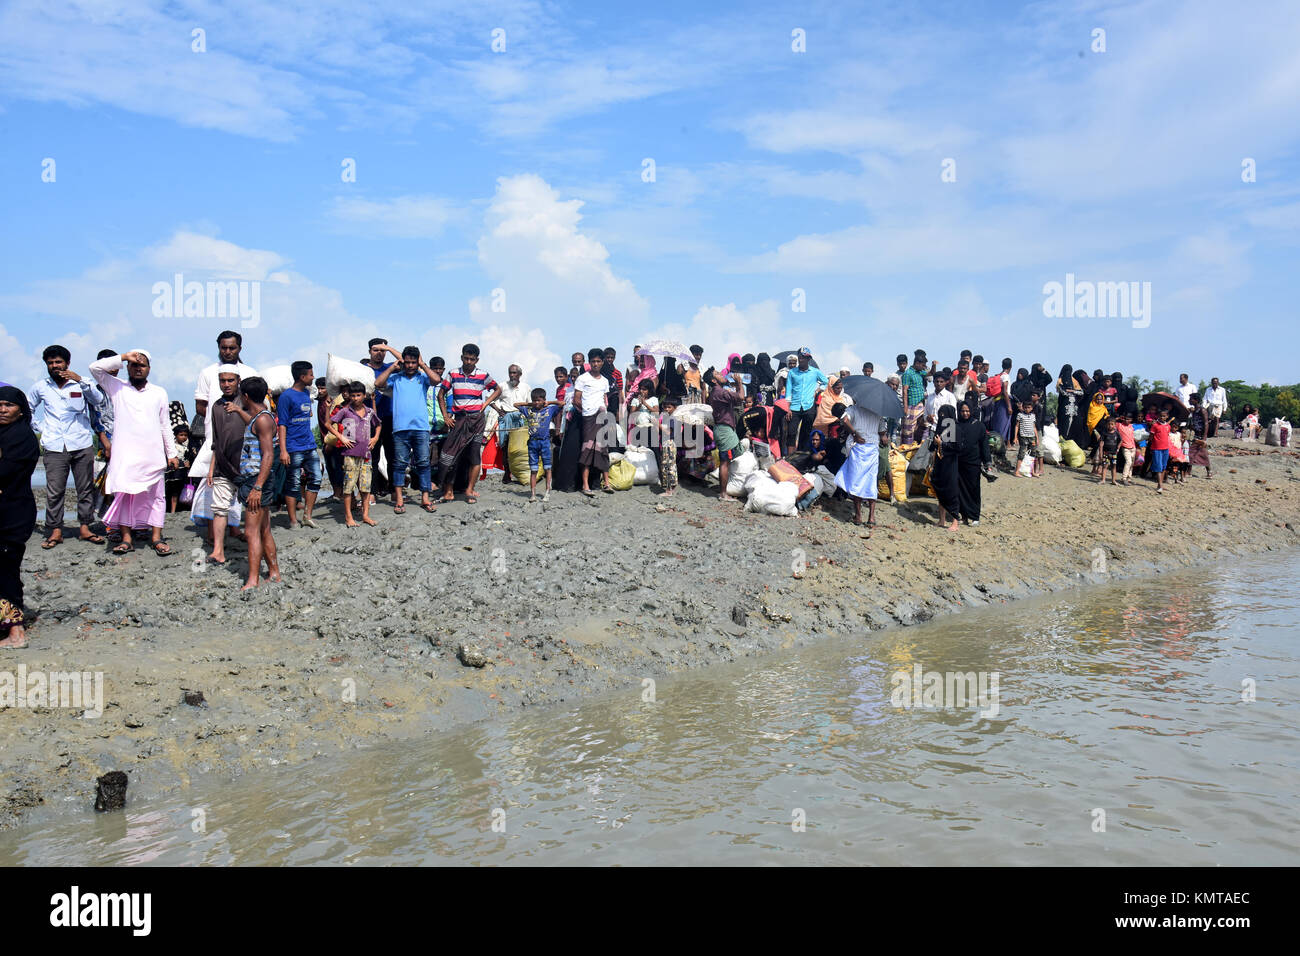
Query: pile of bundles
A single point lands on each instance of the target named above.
(636, 465)
(769, 486)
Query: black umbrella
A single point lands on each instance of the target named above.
(780, 357)
(873, 395)
(1160, 398)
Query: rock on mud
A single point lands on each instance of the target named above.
(110, 791)
(471, 656)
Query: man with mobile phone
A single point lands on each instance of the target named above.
(61, 407)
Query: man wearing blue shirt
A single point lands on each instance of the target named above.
(801, 387)
(64, 402)
(293, 411)
(410, 380)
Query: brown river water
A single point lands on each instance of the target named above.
(1121, 730)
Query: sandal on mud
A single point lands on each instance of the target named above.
(162, 549)
(123, 548)
(51, 543)
(429, 507)
(93, 539)
(399, 510)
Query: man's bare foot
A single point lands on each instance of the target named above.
(350, 523)
(368, 520)
(254, 582)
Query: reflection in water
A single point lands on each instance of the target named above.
(1126, 697)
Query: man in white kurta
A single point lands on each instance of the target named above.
(143, 448)
(207, 392)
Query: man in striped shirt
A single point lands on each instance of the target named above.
(462, 396)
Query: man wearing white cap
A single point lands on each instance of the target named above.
(208, 391)
(143, 449)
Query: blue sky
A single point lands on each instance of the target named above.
(774, 170)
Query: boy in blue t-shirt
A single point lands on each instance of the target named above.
(537, 419)
(293, 416)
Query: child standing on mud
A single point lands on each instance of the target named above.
(1027, 435)
(537, 419)
(667, 447)
(1127, 447)
(1158, 446)
(1110, 439)
(357, 428)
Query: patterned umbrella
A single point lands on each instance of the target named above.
(669, 348)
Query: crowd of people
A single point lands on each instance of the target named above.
(410, 425)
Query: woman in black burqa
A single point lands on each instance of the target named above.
(19, 453)
(945, 450)
(973, 455)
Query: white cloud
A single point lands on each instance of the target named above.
(209, 256)
(551, 273)
(140, 59)
(500, 346)
(110, 305)
(845, 130)
(406, 217)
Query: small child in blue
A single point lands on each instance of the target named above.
(537, 417)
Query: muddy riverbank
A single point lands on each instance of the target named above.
(360, 642)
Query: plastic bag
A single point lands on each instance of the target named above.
(621, 475)
(920, 460)
(768, 496)
(201, 503)
(517, 455)
(187, 493)
(1051, 445)
(201, 507)
(278, 378)
(694, 413)
(744, 464)
(1072, 455)
(1026, 467)
(647, 466)
(340, 371)
(898, 471)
